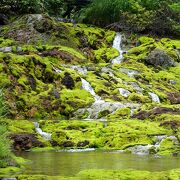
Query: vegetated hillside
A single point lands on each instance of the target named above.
(44, 64)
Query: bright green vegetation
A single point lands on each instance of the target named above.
(111, 174)
(5, 152)
(155, 15)
(39, 82)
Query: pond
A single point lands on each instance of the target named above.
(70, 163)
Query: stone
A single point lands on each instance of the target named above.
(83, 143)
(174, 98)
(124, 92)
(154, 112)
(158, 57)
(25, 141)
(68, 81)
(6, 49)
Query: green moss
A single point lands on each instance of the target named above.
(20, 126)
(5, 42)
(168, 147)
(138, 98)
(74, 99)
(116, 135)
(110, 36)
(120, 113)
(128, 174)
(8, 171)
(104, 55)
(45, 177)
(146, 40)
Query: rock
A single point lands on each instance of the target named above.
(129, 72)
(160, 58)
(83, 143)
(174, 98)
(172, 124)
(25, 141)
(3, 19)
(154, 112)
(58, 54)
(154, 97)
(9, 179)
(124, 92)
(172, 82)
(68, 144)
(6, 49)
(68, 81)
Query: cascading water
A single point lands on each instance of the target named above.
(101, 105)
(45, 135)
(86, 86)
(145, 149)
(117, 45)
(154, 97)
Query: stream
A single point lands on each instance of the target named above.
(70, 163)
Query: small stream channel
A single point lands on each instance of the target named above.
(70, 163)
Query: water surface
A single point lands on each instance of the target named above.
(70, 163)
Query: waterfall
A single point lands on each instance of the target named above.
(100, 105)
(117, 45)
(145, 149)
(86, 86)
(45, 135)
(154, 97)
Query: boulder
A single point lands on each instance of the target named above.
(25, 141)
(174, 98)
(159, 58)
(154, 112)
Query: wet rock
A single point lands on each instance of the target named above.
(174, 98)
(6, 49)
(68, 81)
(158, 58)
(154, 112)
(129, 72)
(58, 54)
(25, 141)
(173, 124)
(68, 144)
(124, 92)
(83, 143)
(172, 82)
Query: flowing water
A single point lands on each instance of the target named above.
(70, 163)
(117, 45)
(45, 135)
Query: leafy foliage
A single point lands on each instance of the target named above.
(158, 16)
(3, 108)
(5, 153)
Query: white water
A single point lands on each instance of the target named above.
(124, 92)
(45, 135)
(101, 105)
(117, 45)
(154, 97)
(86, 86)
(145, 149)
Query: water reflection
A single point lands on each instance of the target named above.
(69, 164)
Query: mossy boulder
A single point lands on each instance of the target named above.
(160, 58)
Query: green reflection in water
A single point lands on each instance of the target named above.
(69, 164)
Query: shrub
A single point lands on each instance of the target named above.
(134, 15)
(5, 152)
(3, 108)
